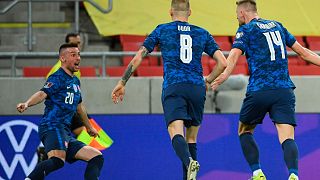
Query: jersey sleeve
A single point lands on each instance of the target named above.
(211, 46)
(241, 39)
(289, 38)
(152, 40)
(51, 86)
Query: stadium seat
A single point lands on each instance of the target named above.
(296, 60)
(205, 60)
(304, 70)
(314, 45)
(223, 42)
(150, 71)
(205, 70)
(212, 64)
(124, 38)
(114, 71)
(88, 71)
(242, 60)
(312, 39)
(35, 71)
(240, 69)
(134, 46)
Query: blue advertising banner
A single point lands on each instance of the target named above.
(142, 149)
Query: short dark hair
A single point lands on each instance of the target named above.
(71, 35)
(180, 5)
(250, 3)
(64, 46)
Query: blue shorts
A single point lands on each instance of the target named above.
(61, 139)
(279, 103)
(184, 102)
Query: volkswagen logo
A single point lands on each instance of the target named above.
(18, 146)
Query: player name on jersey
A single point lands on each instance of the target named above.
(266, 26)
(183, 28)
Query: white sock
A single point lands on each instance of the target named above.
(256, 172)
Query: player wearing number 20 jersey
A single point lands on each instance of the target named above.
(268, 68)
(182, 45)
(64, 95)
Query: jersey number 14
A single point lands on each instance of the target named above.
(274, 38)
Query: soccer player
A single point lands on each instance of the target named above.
(76, 124)
(62, 96)
(270, 89)
(184, 89)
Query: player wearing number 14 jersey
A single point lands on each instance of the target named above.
(270, 89)
(183, 95)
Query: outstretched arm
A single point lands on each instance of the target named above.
(81, 110)
(119, 90)
(306, 54)
(35, 99)
(232, 59)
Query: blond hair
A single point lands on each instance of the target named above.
(250, 5)
(180, 5)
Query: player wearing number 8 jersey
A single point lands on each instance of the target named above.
(270, 89)
(183, 95)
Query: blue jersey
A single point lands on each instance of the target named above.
(182, 45)
(264, 44)
(63, 96)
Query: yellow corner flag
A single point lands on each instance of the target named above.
(101, 142)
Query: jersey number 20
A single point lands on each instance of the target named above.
(185, 48)
(274, 37)
(69, 98)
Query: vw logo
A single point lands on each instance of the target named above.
(15, 135)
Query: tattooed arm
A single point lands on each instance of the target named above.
(119, 91)
(134, 64)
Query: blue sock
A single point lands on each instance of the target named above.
(250, 150)
(193, 152)
(45, 167)
(291, 153)
(93, 168)
(181, 148)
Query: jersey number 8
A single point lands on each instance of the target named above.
(185, 48)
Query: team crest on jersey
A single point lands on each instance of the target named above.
(79, 88)
(239, 35)
(48, 85)
(75, 88)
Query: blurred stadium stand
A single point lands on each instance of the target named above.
(51, 21)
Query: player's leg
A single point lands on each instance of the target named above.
(196, 96)
(76, 125)
(95, 161)
(41, 153)
(191, 138)
(56, 153)
(175, 112)
(253, 110)
(179, 143)
(283, 115)
(78, 150)
(289, 147)
(250, 149)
